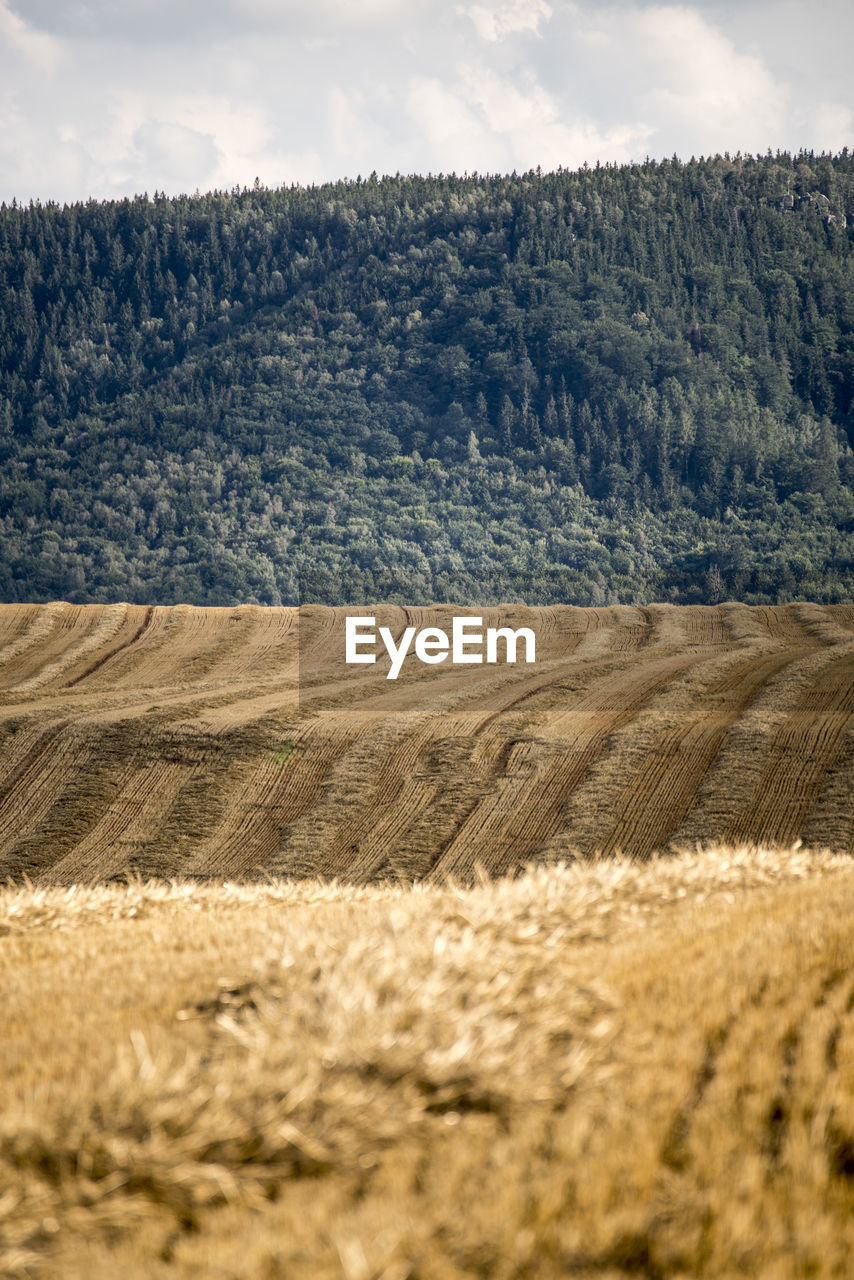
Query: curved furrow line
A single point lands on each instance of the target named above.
(400, 795)
(744, 624)
(570, 621)
(185, 650)
(668, 626)
(605, 632)
(15, 620)
(351, 848)
(785, 622)
(268, 639)
(100, 625)
(274, 793)
(139, 619)
(632, 750)
(222, 634)
(657, 798)
(24, 763)
(320, 638)
(416, 615)
(368, 692)
(705, 625)
(297, 789)
(73, 807)
(487, 709)
(617, 690)
(275, 645)
(758, 623)
(243, 706)
(459, 773)
(821, 622)
(594, 638)
(406, 784)
(129, 820)
(452, 764)
(23, 626)
(633, 629)
(511, 824)
(338, 805)
(830, 821)
(247, 835)
(414, 798)
(454, 788)
(734, 775)
(548, 620)
(802, 750)
(183, 641)
(57, 627)
(58, 759)
(175, 633)
(129, 666)
(843, 615)
(197, 706)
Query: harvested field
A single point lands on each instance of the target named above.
(236, 742)
(603, 1069)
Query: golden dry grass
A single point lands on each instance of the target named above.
(603, 1069)
(172, 741)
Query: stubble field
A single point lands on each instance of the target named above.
(172, 740)
(606, 1069)
(279, 999)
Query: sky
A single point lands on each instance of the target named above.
(119, 97)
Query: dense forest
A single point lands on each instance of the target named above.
(621, 384)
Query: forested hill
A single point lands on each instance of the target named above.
(627, 384)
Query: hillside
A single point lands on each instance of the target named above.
(618, 385)
(235, 742)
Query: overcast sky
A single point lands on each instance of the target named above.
(115, 97)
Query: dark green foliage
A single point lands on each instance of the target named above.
(622, 384)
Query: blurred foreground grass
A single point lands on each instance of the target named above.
(599, 1069)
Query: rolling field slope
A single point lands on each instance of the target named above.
(188, 741)
(600, 1070)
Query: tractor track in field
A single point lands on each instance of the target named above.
(103, 659)
(235, 742)
(274, 793)
(657, 798)
(515, 821)
(804, 748)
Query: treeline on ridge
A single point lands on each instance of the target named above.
(617, 384)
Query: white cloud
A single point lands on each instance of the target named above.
(213, 141)
(536, 130)
(445, 122)
(508, 17)
(717, 94)
(204, 22)
(180, 155)
(100, 98)
(507, 107)
(328, 15)
(17, 37)
(833, 127)
(350, 131)
(488, 122)
(594, 37)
